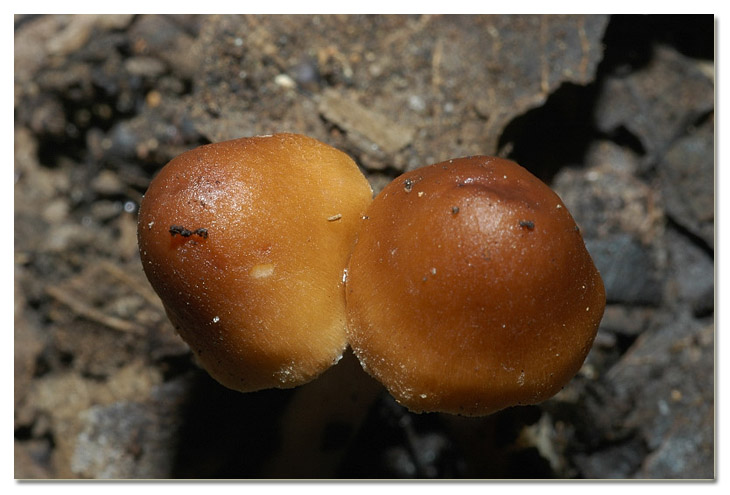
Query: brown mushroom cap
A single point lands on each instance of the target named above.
(246, 242)
(470, 289)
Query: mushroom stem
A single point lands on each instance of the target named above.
(329, 410)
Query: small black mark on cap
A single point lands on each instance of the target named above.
(528, 224)
(179, 229)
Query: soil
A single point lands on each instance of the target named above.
(615, 113)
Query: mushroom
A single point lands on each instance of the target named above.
(246, 242)
(470, 289)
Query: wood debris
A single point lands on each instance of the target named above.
(354, 118)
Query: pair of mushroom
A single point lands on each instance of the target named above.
(464, 287)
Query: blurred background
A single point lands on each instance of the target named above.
(616, 113)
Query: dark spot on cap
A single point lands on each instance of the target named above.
(528, 224)
(179, 229)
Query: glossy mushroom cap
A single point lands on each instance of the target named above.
(246, 242)
(470, 289)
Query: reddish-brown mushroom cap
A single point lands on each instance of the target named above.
(246, 242)
(470, 289)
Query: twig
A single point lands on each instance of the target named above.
(86, 311)
(131, 281)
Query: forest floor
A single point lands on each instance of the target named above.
(615, 113)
